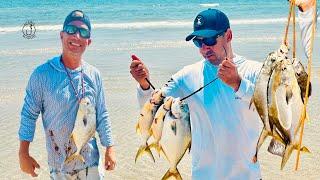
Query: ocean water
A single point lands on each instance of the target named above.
(154, 31)
(140, 24)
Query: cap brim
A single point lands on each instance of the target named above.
(202, 33)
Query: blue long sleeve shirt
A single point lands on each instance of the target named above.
(50, 93)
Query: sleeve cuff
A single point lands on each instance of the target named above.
(106, 142)
(142, 92)
(26, 139)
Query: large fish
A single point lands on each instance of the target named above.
(176, 136)
(157, 124)
(147, 114)
(260, 95)
(84, 128)
(276, 147)
(285, 109)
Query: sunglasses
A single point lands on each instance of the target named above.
(71, 29)
(211, 41)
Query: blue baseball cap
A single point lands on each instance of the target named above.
(77, 15)
(209, 23)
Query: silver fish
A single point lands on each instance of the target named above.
(84, 128)
(157, 124)
(176, 136)
(145, 120)
(285, 109)
(260, 95)
(276, 147)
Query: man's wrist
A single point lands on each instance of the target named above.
(306, 5)
(237, 85)
(24, 154)
(24, 148)
(109, 148)
(145, 86)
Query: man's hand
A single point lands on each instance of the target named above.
(228, 73)
(110, 159)
(28, 164)
(304, 5)
(139, 72)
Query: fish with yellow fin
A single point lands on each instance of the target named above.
(145, 120)
(84, 128)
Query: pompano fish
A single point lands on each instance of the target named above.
(176, 136)
(260, 98)
(145, 120)
(157, 124)
(84, 128)
(285, 109)
(276, 147)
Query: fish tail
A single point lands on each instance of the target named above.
(73, 157)
(286, 155)
(148, 151)
(144, 149)
(175, 173)
(305, 149)
(262, 137)
(156, 146)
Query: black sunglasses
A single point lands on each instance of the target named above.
(210, 41)
(71, 29)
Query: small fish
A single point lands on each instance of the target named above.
(84, 128)
(145, 121)
(176, 136)
(157, 124)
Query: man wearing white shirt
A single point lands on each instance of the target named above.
(224, 130)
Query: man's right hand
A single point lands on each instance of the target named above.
(139, 72)
(28, 164)
(304, 5)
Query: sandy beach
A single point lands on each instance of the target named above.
(121, 100)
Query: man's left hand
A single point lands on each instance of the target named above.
(228, 73)
(110, 158)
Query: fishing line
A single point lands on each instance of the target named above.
(225, 51)
(184, 98)
(150, 83)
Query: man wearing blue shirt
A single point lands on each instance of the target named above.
(224, 130)
(54, 90)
